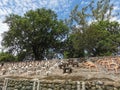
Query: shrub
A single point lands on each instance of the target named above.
(6, 57)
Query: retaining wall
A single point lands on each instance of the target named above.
(35, 84)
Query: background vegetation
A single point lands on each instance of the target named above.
(38, 34)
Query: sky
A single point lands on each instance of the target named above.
(61, 7)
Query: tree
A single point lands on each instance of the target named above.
(91, 29)
(109, 40)
(99, 39)
(34, 33)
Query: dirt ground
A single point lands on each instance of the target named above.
(84, 74)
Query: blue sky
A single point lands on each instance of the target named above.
(61, 7)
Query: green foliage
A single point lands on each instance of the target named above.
(36, 32)
(99, 39)
(6, 57)
(73, 49)
(21, 56)
(92, 33)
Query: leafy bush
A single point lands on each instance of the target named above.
(6, 57)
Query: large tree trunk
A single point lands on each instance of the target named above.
(38, 54)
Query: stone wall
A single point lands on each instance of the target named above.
(35, 84)
(1, 83)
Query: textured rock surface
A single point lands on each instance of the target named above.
(36, 84)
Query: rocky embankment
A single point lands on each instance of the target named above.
(47, 75)
(20, 83)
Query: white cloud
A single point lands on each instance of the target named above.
(3, 27)
(84, 2)
(115, 19)
(53, 3)
(116, 8)
(3, 11)
(21, 6)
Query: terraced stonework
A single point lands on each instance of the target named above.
(36, 84)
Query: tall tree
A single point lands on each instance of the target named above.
(102, 39)
(85, 34)
(34, 33)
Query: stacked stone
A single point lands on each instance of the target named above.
(18, 84)
(1, 83)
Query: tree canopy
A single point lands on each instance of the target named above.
(91, 31)
(34, 33)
